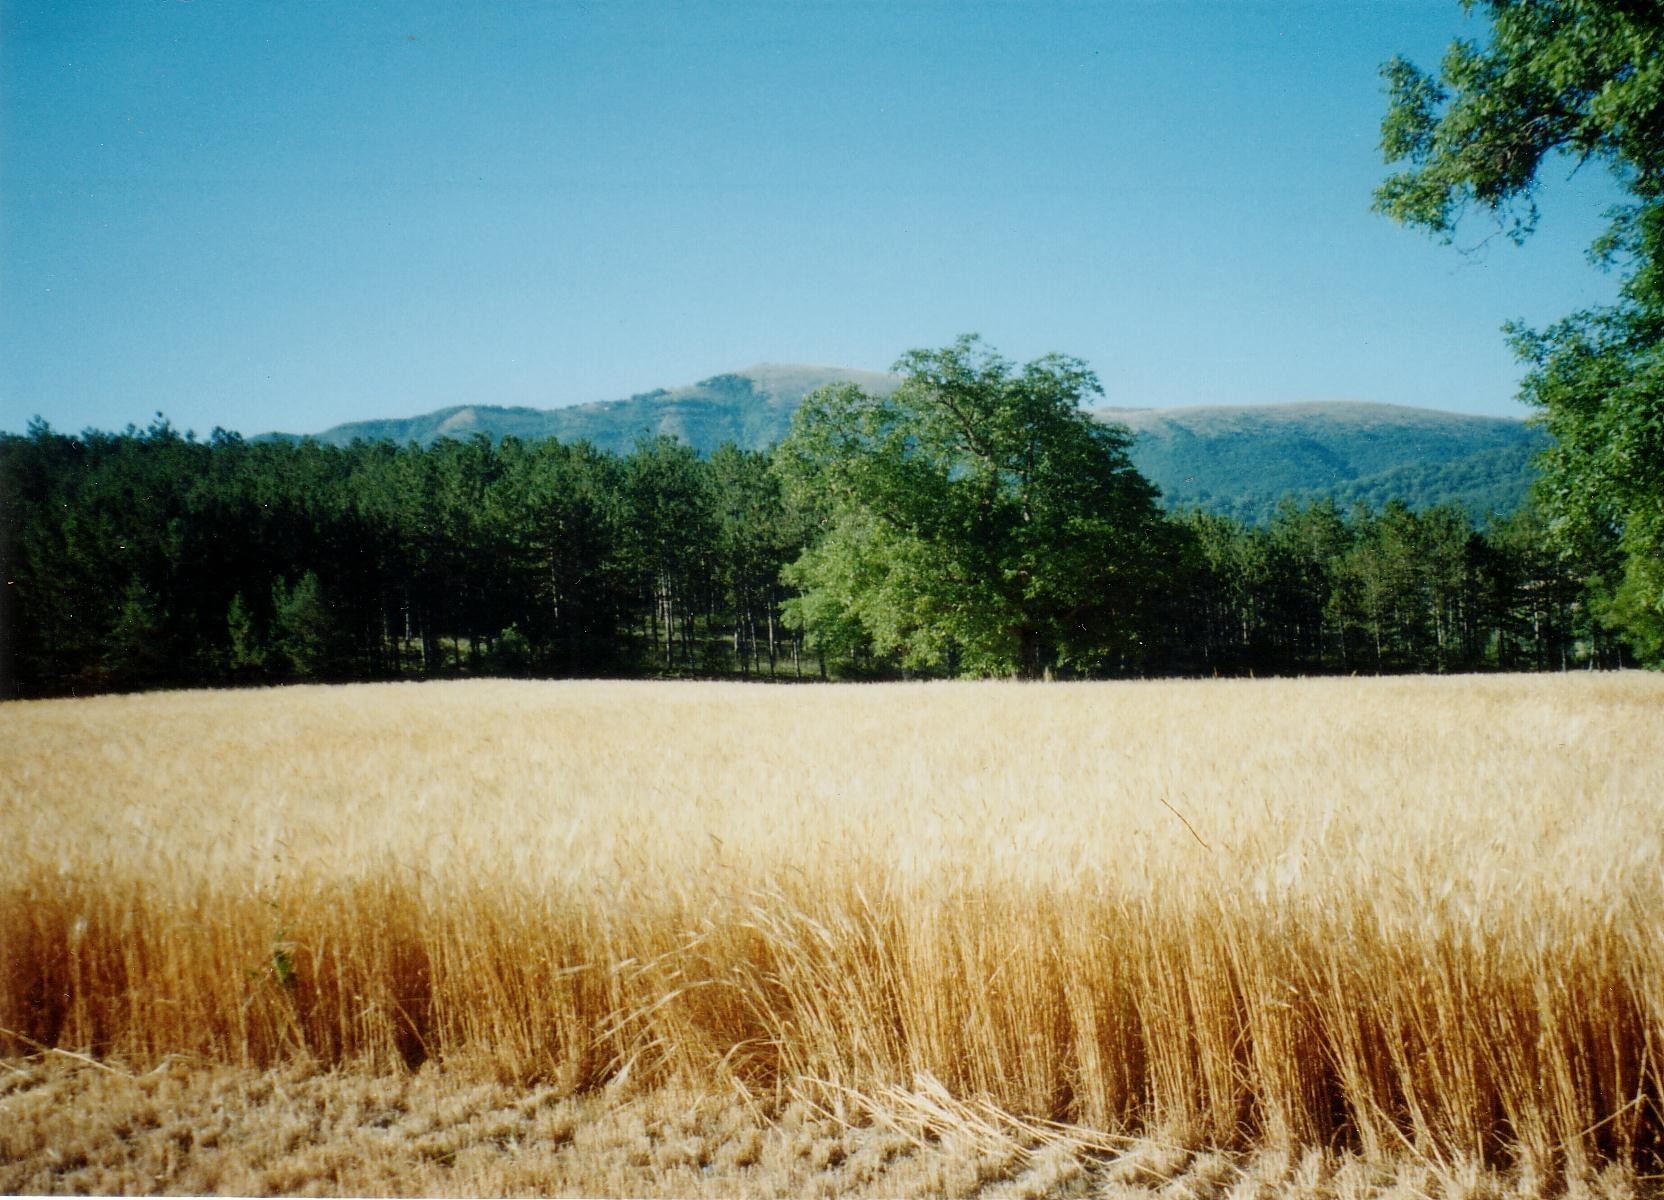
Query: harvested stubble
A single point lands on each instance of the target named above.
(1418, 917)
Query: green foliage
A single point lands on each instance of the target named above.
(1600, 380)
(1580, 78)
(1637, 607)
(671, 527)
(303, 627)
(755, 534)
(247, 653)
(134, 653)
(978, 523)
(1402, 586)
(1386, 591)
(147, 559)
(1583, 80)
(511, 653)
(976, 517)
(563, 556)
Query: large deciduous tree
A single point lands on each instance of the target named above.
(1575, 81)
(976, 518)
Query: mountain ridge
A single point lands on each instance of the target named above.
(1235, 459)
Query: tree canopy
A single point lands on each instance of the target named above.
(147, 559)
(976, 517)
(1564, 80)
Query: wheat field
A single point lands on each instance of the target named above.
(1415, 926)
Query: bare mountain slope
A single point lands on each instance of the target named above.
(751, 408)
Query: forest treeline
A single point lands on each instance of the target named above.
(150, 558)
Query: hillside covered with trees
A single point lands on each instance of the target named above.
(1242, 461)
(1238, 461)
(886, 536)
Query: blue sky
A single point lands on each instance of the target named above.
(286, 216)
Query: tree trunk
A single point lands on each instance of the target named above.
(739, 641)
(430, 647)
(771, 650)
(1028, 653)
